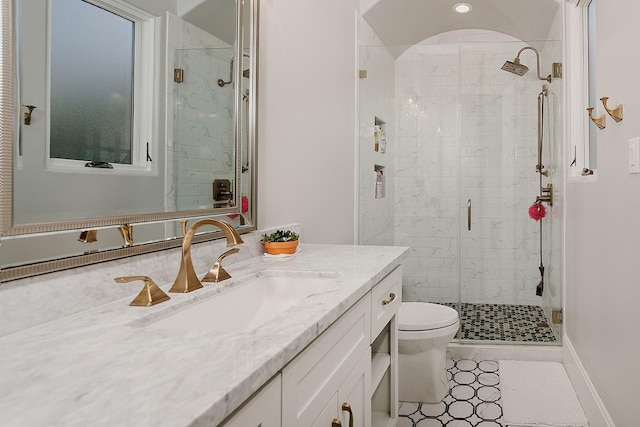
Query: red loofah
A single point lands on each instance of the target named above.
(245, 207)
(537, 211)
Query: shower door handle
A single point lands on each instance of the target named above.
(469, 214)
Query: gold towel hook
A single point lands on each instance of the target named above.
(601, 121)
(616, 113)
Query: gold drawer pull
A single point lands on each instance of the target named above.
(347, 407)
(392, 296)
(336, 423)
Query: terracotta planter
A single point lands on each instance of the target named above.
(277, 248)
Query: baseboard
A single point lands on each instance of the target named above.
(504, 352)
(592, 405)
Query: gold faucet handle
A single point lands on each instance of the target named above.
(217, 273)
(150, 295)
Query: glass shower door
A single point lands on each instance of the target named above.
(204, 148)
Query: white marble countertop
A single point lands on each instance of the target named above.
(101, 368)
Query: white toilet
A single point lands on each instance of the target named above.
(424, 330)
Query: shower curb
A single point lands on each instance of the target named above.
(532, 352)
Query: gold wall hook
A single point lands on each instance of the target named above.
(150, 295)
(27, 114)
(615, 113)
(601, 121)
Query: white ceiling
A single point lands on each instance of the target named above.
(407, 22)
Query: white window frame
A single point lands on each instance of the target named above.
(143, 85)
(577, 90)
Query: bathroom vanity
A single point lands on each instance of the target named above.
(328, 359)
(346, 376)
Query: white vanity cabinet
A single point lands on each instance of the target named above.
(332, 371)
(350, 404)
(261, 410)
(348, 375)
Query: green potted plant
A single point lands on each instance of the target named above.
(280, 242)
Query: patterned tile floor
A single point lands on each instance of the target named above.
(473, 401)
(503, 322)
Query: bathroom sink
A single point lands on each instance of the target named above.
(248, 305)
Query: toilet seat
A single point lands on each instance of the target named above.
(423, 316)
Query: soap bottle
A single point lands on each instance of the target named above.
(377, 131)
(379, 185)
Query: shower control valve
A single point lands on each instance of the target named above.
(548, 197)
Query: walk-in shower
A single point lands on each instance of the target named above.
(461, 132)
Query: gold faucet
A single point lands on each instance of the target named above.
(187, 279)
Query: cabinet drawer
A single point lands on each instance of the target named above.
(385, 300)
(313, 377)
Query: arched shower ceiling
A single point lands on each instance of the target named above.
(401, 24)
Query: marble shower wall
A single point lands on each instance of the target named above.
(467, 130)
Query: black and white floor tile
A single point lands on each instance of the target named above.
(473, 400)
(503, 322)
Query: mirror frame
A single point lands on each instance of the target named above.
(9, 122)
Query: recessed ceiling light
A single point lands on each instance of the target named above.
(462, 7)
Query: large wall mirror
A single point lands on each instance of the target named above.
(120, 119)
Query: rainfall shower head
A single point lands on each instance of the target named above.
(515, 67)
(519, 69)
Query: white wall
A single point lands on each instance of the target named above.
(306, 129)
(603, 228)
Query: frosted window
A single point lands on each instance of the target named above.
(92, 60)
